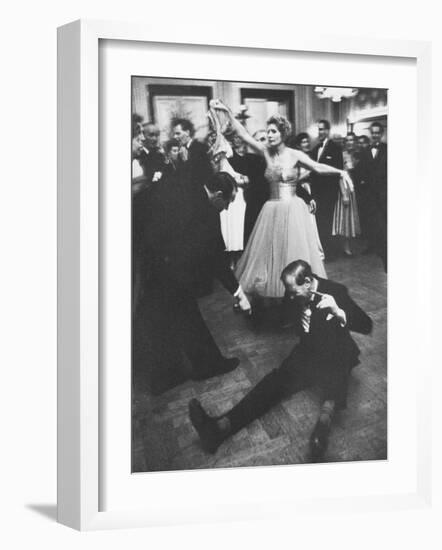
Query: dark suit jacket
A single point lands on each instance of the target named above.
(151, 162)
(360, 172)
(357, 319)
(315, 340)
(378, 173)
(196, 170)
(184, 241)
(331, 155)
(327, 353)
(256, 192)
(252, 166)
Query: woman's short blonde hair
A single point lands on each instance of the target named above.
(283, 125)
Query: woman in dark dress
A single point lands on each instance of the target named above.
(256, 191)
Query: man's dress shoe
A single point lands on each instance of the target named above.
(319, 441)
(205, 426)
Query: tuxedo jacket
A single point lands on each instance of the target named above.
(328, 341)
(360, 174)
(152, 162)
(184, 243)
(196, 170)
(377, 168)
(326, 353)
(252, 166)
(331, 155)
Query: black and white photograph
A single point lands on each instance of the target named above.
(259, 273)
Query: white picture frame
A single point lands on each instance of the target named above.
(79, 366)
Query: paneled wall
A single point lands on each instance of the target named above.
(307, 107)
(368, 105)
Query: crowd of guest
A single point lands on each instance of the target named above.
(341, 215)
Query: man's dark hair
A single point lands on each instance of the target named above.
(298, 269)
(364, 137)
(325, 122)
(296, 140)
(349, 135)
(377, 125)
(171, 143)
(222, 181)
(137, 121)
(185, 124)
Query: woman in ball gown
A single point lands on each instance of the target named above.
(346, 215)
(285, 229)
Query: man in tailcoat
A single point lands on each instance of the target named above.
(324, 314)
(325, 188)
(184, 246)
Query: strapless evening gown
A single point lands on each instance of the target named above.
(284, 231)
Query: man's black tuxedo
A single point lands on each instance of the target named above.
(378, 182)
(184, 247)
(378, 171)
(151, 161)
(196, 170)
(372, 198)
(323, 357)
(361, 182)
(256, 192)
(325, 191)
(184, 237)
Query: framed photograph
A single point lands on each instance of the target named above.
(171, 366)
(230, 318)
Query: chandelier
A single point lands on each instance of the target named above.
(335, 94)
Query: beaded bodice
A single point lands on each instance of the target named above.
(281, 176)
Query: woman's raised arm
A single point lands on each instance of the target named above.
(218, 105)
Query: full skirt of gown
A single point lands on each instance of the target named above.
(346, 217)
(285, 231)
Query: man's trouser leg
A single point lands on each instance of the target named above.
(288, 378)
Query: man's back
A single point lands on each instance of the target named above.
(196, 170)
(185, 239)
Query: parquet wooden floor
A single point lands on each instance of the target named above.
(164, 439)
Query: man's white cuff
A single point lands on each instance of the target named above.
(342, 317)
(238, 291)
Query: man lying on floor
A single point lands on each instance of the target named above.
(323, 315)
